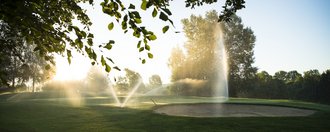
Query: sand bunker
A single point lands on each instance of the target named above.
(231, 110)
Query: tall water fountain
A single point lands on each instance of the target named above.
(220, 90)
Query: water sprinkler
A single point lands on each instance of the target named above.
(153, 102)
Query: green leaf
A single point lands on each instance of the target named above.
(139, 44)
(103, 61)
(76, 29)
(118, 15)
(147, 47)
(124, 25)
(143, 61)
(125, 18)
(163, 16)
(110, 26)
(90, 42)
(93, 63)
(47, 67)
(165, 28)
(116, 67)
(107, 10)
(111, 42)
(144, 5)
(83, 34)
(141, 49)
(69, 55)
(152, 37)
(107, 68)
(79, 43)
(108, 46)
(90, 35)
(88, 50)
(145, 41)
(136, 14)
(167, 11)
(110, 60)
(136, 34)
(171, 22)
(94, 56)
(137, 20)
(150, 55)
(154, 13)
(69, 60)
(131, 6)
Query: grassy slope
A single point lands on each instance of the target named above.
(49, 115)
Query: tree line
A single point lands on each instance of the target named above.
(98, 83)
(311, 86)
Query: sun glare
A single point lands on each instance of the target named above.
(77, 70)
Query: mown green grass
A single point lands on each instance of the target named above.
(99, 114)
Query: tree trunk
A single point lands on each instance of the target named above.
(33, 88)
(13, 82)
(13, 73)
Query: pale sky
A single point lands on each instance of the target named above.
(291, 35)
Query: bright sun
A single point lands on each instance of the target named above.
(77, 70)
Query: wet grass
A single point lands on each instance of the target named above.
(99, 114)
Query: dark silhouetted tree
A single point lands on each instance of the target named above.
(325, 87)
(263, 88)
(281, 75)
(240, 41)
(310, 89)
(293, 84)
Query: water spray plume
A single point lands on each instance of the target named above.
(221, 86)
(114, 95)
(131, 93)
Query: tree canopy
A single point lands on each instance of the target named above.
(49, 24)
(311, 86)
(19, 62)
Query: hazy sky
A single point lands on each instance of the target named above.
(291, 35)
